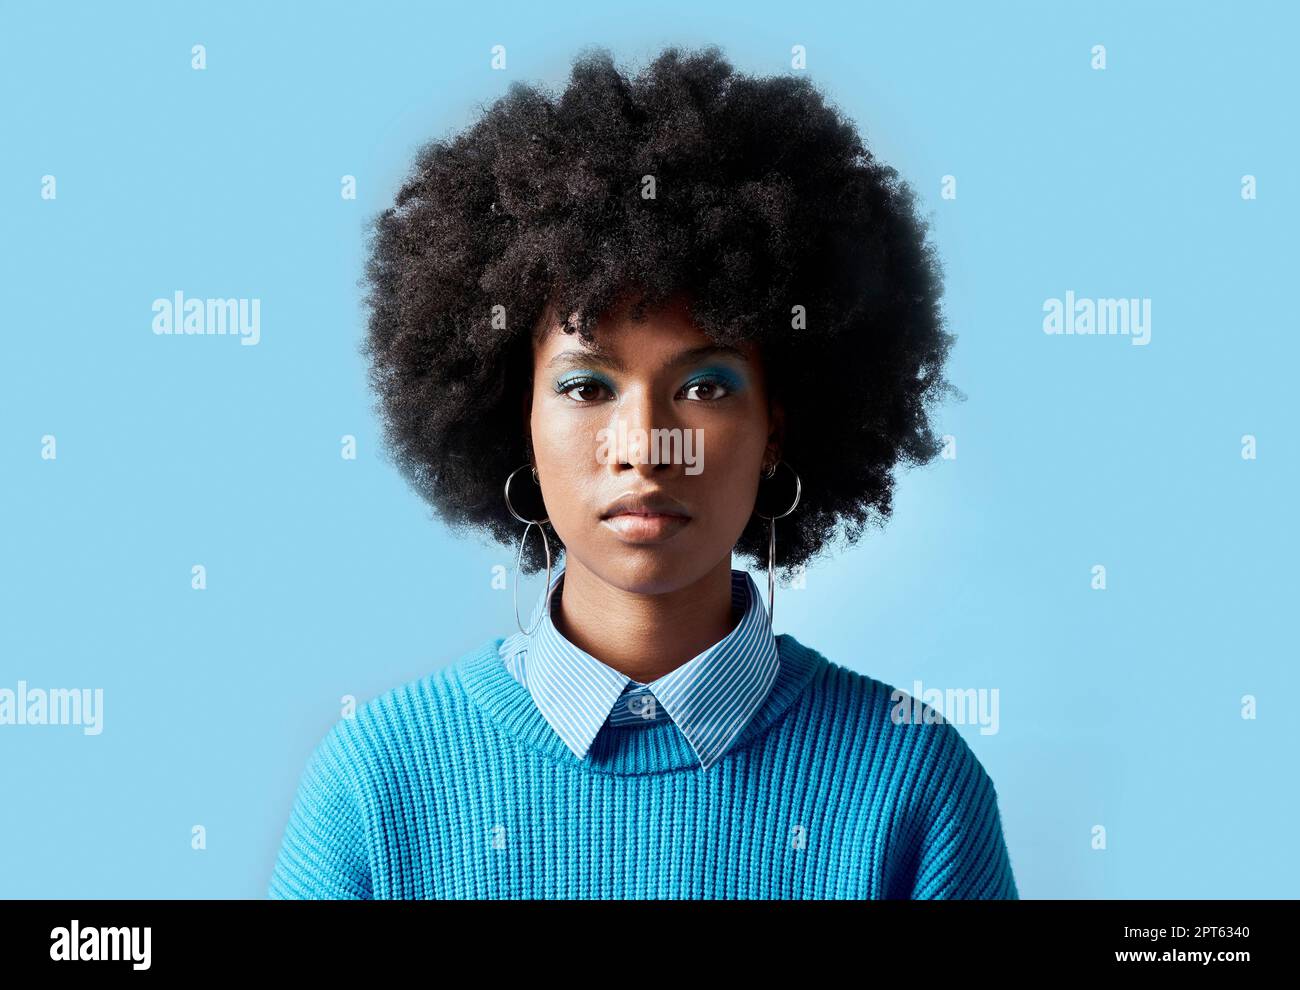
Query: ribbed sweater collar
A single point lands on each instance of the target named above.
(650, 750)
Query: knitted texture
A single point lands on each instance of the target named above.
(455, 786)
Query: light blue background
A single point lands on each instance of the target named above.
(328, 577)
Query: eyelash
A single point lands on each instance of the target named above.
(569, 384)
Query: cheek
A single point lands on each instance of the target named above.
(564, 442)
(733, 455)
(733, 442)
(565, 461)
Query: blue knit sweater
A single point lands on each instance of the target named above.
(455, 786)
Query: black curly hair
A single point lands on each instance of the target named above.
(764, 201)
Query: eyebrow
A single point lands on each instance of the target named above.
(600, 355)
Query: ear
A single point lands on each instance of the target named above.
(776, 432)
(526, 415)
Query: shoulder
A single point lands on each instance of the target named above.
(890, 725)
(404, 722)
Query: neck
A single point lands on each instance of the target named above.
(644, 635)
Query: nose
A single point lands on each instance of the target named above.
(638, 415)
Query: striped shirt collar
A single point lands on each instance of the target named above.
(710, 698)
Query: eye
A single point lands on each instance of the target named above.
(714, 387)
(580, 384)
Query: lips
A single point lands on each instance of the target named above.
(646, 517)
(646, 504)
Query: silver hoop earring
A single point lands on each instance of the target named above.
(518, 560)
(771, 535)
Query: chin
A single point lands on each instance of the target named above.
(653, 570)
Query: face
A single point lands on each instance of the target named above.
(656, 410)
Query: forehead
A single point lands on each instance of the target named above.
(661, 334)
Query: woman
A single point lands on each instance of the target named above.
(648, 319)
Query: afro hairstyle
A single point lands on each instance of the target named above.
(766, 211)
